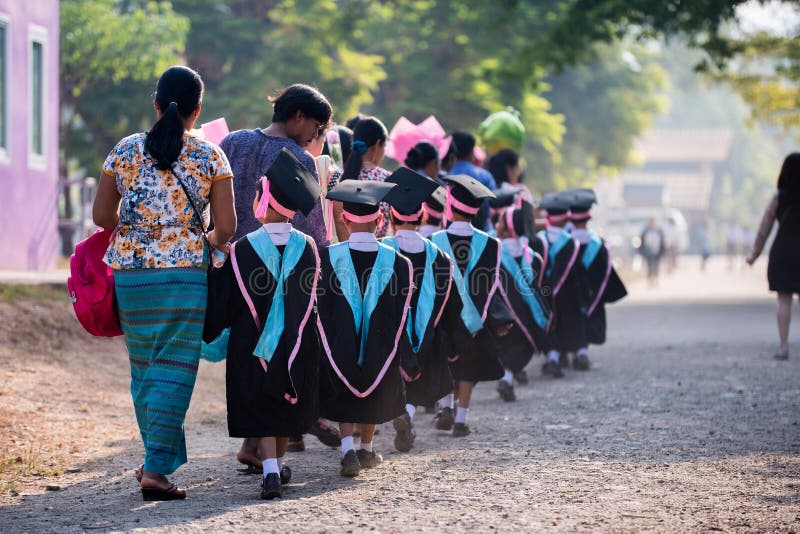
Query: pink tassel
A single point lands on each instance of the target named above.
(448, 210)
(263, 203)
(526, 249)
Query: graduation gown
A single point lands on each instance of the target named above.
(426, 371)
(530, 310)
(279, 398)
(475, 358)
(372, 391)
(564, 288)
(603, 286)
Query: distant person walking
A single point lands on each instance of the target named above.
(652, 247)
(465, 164)
(783, 272)
(152, 187)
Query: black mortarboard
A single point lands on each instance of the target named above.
(581, 200)
(290, 183)
(501, 201)
(468, 190)
(412, 190)
(555, 203)
(438, 199)
(360, 197)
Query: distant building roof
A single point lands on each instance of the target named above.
(678, 145)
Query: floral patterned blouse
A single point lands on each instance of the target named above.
(158, 228)
(379, 174)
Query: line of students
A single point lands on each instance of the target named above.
(365, 330)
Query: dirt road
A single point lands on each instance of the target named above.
(685, 423)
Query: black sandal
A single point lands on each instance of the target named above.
(170, 494)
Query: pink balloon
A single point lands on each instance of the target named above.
(405, 134)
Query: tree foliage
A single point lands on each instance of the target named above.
(111, 53)
(584, 87)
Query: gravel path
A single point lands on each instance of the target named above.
(685, 423)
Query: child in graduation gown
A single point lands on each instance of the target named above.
(434, 211)
(520, 274)
(424, 368)
(265, 294)
(363, 300)
(476, 278)
(561, 285)
(601, 282)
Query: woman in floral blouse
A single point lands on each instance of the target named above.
(152, 188)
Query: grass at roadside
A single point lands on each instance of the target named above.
(11, 293)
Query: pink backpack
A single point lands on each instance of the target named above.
(91, 286)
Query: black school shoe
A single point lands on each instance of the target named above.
(271, 487)
(286, 474)
(351, 467)
(581, 362)
(521, 377)
(404, 438)
(552, 368)
(460, 430)
(444, 419)
(506, 391)
(368, 459)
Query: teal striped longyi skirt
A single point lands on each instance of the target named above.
(162, 312)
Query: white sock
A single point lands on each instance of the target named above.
(508, 376)
(270, 466)
(347, 445)
(446, 401)
(411, 410)
(461, 415)
(553, 356)
(366, 446)
(583, 351)
(280, 462)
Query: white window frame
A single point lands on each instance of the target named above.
(37, 34)
(5, 151)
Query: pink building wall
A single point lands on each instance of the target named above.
(29, 182)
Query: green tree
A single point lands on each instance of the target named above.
(111, 51)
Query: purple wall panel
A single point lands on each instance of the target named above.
(29, 185)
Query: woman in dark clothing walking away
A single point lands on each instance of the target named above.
(783, 272)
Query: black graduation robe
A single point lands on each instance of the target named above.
(257, 400)
(475, 359)
(566, 293)
(603, 286)
(427, 372)
(518, 347)
(373, 393)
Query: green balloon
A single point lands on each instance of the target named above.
(502, 130)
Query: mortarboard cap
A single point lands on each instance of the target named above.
(555, 203)
(360, 197)
(468, 192)
(501, 201)
(291, 185)
(412, 190)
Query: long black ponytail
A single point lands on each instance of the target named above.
(178, 93)
(368, 131)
